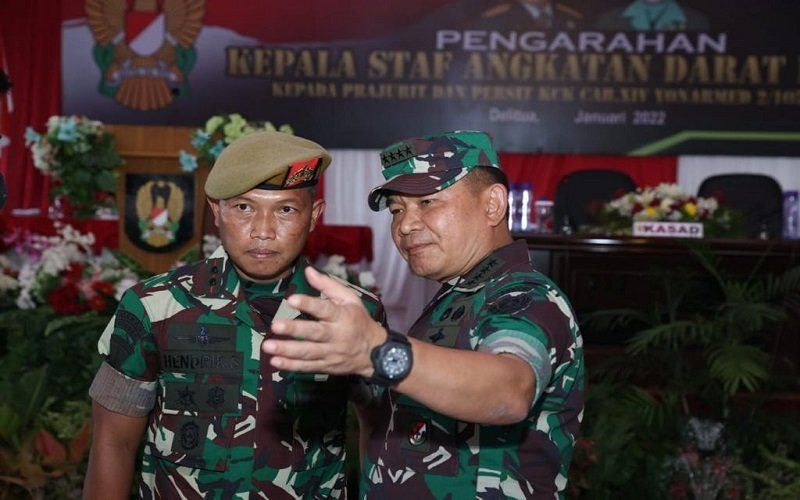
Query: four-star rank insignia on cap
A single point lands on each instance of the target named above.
(402, 152)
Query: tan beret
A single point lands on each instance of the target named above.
(267, 160)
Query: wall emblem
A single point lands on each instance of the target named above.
(145, 48)
(159, 211)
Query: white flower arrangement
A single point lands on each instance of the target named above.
(336, 266)
(63, 272)
(666, 202)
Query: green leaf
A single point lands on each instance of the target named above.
(29, 393)
(106, 181)
(611, 319)
(10, 423)
(738, 365)
(127, 262)
(82, 323)
(670, 335)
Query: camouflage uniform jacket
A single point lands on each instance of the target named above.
(184, 348)
(501, 306)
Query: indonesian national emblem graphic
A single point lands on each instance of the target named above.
(145, 48)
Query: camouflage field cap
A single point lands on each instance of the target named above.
(424, 165)
(266, 160)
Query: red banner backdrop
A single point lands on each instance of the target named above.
(30, 41)
(545, 171)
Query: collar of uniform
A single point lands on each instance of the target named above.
(255, 289)
(491, 266)
(216, 278)
(297, 284)
(220, 273)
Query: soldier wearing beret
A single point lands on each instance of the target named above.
(486, 389)
(182, 357)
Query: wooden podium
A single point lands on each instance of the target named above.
(151, 159)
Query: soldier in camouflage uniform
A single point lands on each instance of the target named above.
(182, 357)
(486, 398)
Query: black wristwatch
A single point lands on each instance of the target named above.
(392, 360)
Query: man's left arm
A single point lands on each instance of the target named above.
(474, 386)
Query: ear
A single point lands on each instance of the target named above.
(214, 204)
(496, 202)
(316, 212)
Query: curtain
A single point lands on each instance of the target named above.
(30, 39)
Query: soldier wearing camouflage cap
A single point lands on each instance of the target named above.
(487, 386)
(182, 357)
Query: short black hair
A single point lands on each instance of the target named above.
(483, 177)
(480, 178)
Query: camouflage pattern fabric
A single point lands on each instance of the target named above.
(428, 164)
(225, 423)
(502, 306)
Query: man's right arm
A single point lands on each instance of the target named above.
(112, 459)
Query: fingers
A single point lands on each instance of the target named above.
(295, 365)
(332, 289)
(300, 350)
(311, 331)
(303, 356)
(321, 309)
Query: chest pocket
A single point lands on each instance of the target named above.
(428, 443)
(318, 405)
(200, 399)
(445, 330)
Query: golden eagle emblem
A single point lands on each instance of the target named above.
(145, 48)
(159, 208)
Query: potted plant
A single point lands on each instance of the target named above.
(708, 340)
(80, 155)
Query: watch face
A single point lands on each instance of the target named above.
(395, 362)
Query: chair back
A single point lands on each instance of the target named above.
(758, 197)
(581, 195)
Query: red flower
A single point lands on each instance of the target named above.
(733, 493)
(74, 272)
(678, 490)
(103, 288)
(65, 300)
(98, 303)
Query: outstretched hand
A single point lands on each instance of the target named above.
(338, 342)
